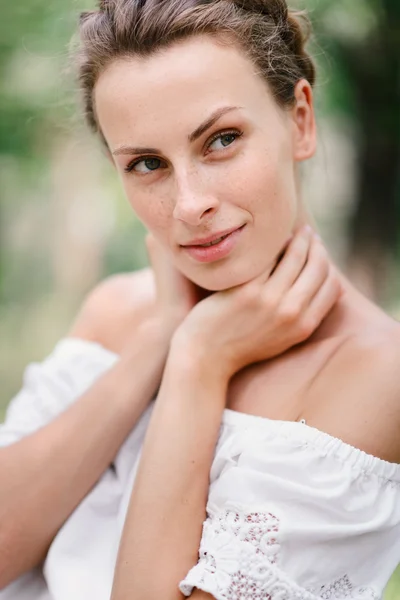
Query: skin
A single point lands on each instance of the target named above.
(191, 190)
(202, 187)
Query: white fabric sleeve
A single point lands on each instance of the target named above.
(238, 558)
(51, 386)
(295, 514)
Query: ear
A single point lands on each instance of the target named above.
(304, 127)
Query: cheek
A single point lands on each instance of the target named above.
(262, 184)
(152, 211)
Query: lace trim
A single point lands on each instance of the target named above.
(238, 560)
(343, 588)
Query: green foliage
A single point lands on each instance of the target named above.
(37, 101)
(33, 33)
(393, 589)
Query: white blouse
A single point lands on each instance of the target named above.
(293, 513)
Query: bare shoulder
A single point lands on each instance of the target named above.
(375, 353)
(360, 388)
(114, 307)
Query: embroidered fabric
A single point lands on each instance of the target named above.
(239, 560)
(343, 588)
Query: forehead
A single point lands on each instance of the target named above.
(178, 86)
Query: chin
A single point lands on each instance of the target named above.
(223, 278)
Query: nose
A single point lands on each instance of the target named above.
(194, 204)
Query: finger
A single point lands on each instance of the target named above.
(292, 264)
(157, 261)
(173, 288)
(323, 302)
(166, 276)
(312, 277)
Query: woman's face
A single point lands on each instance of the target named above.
(202, 150)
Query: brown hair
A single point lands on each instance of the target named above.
(273, 37)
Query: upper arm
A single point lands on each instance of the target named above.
(114, 308)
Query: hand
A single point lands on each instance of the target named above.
(267, 316)
(175, 294)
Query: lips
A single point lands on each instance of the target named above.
(217, 241)
(200, 242)
(222, 247)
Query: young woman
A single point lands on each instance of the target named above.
(267, 468)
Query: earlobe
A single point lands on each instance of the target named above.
(305, 136)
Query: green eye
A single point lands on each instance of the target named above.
(223, 140)
(145, 165)
(227, 139)
(152, 163)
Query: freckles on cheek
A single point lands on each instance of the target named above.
(258, 178)
(262, 192)
(151, 211)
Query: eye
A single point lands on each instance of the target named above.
(144, 165)
(222, 140)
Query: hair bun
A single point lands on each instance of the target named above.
(107, 5)
(293, 28)
(277, 10)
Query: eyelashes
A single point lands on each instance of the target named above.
(224, 134)
(157, 162)
(144, 159)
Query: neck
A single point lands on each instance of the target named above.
(348, 315)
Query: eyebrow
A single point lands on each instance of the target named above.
(198, 132)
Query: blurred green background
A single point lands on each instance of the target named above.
(65, 225)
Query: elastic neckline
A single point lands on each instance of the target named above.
(327, 444)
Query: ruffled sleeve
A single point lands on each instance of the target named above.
(239, 558)
(294, 513)
(51, 386)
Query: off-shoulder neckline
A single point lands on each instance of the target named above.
(295, 431)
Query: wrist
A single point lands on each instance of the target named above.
(197, 359)
(148, 335)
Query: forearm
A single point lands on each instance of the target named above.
(164, 522)
(49, 472)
